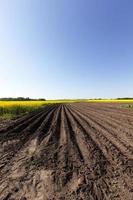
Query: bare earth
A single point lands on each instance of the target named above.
(77, 151)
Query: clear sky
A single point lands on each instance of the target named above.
(66, 48)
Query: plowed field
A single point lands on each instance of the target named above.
(76, 151)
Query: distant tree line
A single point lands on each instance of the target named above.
(21, 99)
(125, 98)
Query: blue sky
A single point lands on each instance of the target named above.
(66, 48)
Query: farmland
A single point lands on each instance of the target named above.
(10, 109)
(69, 151)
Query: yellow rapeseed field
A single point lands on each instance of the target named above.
(13, 108)
(111, 100)
(9, 109)
(21, 103)
(9, 104)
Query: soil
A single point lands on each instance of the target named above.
(77, 151)
(5, 122)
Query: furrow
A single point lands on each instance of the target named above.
(105, 133)
(113, 131)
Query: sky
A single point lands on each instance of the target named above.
(58, 49)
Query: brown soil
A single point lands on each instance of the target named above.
(75, 151)
(5, 122)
